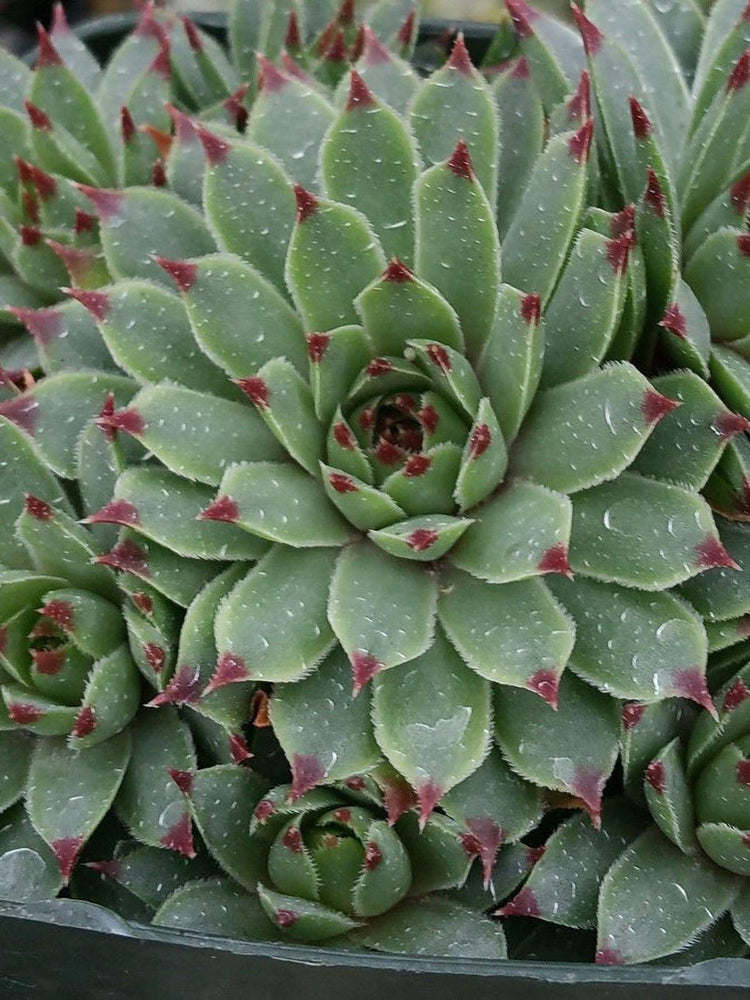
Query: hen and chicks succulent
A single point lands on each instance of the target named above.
(390, 444)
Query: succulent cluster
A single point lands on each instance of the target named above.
(377, 494)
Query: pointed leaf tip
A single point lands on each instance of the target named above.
(641, 122)
(364, 668)
(373, 50)
(407, 29)
(97, 303)
(460, 162)
(522, 15)
(546, 684)
(428, 796)
(222, 509)
(192, 34)
(740, 195)
(59, 20)
(337, 51)
(656, 776)
(580, 142)
(117, 512)
(609, 956)
(674, 321)
(128, 557)
(40, 510)
(711, 554)
(523, 904)
(179, 838)
(691, 684)
(107, 203)
(128, 420)
(66, 851)
(740, 75)
(38, 118)
(728, 425)
(618, 251)
(397, 272)
(255, 388)
(183, 779)
(215, 148)
(293, 38)
(531, 309)
(556, 560)
(591, 36)
(655, 407)
(230, 669)
(460, 59)
(48, 54)
(307, 772)
(588, 785)
(579, 106)
(360, 95)
(238, 748)
(743, 244)
(270, 78)
(161, 65)
(182, 272)
(307, 204)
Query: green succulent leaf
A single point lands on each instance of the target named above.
(653, 878)
(302, 919)
(424, 486)
(520, 533)
(563, 886)
(642, 533)
(336, 359)
(29, 868)
(645, 730)
(286, 592)
(514, 634)
(439, 859)
(722, 593)
(281, 503)
(423, 539)
(216, 907)
(400, 598)
(68, 793)
(425, 708)
(16, 749)
(222, 802)
(392, 79)
(668, 796)
(572, 750)
(366, 507)
(66, 337)
(731, 375)
(718, 274)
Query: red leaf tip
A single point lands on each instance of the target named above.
(373, 52)
(522, 15)
(580, 142)
(654, 406)
(460, 59)
(182, 272)
(556, 560)
(642, 126)
(48, 54)
(591, 36)
(711, 554)
(66, 851)
(97, 303)
(523, 904)
(691, 684)
(364, 667)
(727, 425)
(618, 251)
(360, 95)
(546, 684)
(222, 509)
(270, 79)
(740, 75)
(40, 510)
(179, 838)
(460, 162)
(397, 272)
(307, 203)
(230, 669)
(215, 148)
(307, 772)
(428, 796)
(674, 321)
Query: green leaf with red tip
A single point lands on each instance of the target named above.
(540, 58)
(302, 919)
(148, 803)
(69, 793)
(522, 127)
(169, 350)
(655, 899)
(222, 801)
(165, 508)
(484, 459)
(285, 403)
(685, 332)
(369, 159)
(731, 375)
(520, 533)
(67, 338)
(185, 163)
(291, 119)
(458, 97)
(432, 721)
(336, 359)
(37, 714)
(99, 461)
(615, 411)
(77, 57)
(216, 907)
(539, 238)
(724, 635)
(16, 750)
(424, 485)
(718, 274)
(197, 652)
(56, 410)
(422, 539)
(140, 224)
(726, 845)
(344, 451)
(439, 859)
(39, 876)
(323, 293)
(517, 634)
(688, 442)
(433, 926)
(723, 35)
(728, 209)
(510, 365)
(59, 152)
(68, 102)
(400, 597)
(152, 646)
(634, 645)
(279, 502)
(22, 472)
(392, 79)
(712, 734)
(645, 730)
(110, 700)
(669, 797)
(194, 434)
(728, 489)
(59, 546)
(90, 622)
(23, 587)
(239, 318)
(571, 750)
(15, 80)
(364, 506)
(178, 578)
(563, 886)
(201, 64)
(16, 143)
(709, 158)
(584, 313)
(244, 35)
(494, 806)
(642, 533)
(272, 625)
(249, 205)
(457, 245)
(386, 375)
(440, 422)
(35, 262)
(451, 373)
(664, 88)
(399, 307)
(319, 717)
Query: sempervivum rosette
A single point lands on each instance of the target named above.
(431, 454)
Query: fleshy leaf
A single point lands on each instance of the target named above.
(16, 748)
(286, 592)
(422, 711)
(216, 906)
(423, 539)
(366, 507)
(336, 358)
(400, 598)
(302, 919)
(669, 796)
(719, 274)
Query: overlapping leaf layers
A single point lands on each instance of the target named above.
(70, 121)
(671, 86)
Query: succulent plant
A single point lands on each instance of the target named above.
(398, 421)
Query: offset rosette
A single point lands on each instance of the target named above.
(697, 788)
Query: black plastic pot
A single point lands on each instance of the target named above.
(53, 950)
